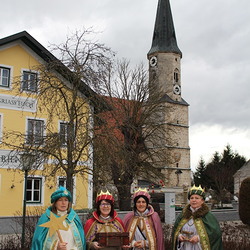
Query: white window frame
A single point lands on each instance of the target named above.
(28, 89)
(41, 190)
(27, 129)
(66, 134)
(10, 75)
(74, 186)
(1, 127)
(64, 143)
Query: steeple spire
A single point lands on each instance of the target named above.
(164, 39)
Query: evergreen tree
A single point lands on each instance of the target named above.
(218, 174)
(199, 175)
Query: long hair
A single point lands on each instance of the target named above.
(98, 207)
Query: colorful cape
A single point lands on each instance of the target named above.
(41, 237)
(206, 225)
(95, 225)
(153, 219)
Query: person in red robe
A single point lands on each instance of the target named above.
(105, 219)
(144, 224)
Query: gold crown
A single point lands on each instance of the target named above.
(102, 193)
(104, 196)
(194, 188)
(141, 189)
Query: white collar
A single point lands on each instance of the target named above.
(61, 213)
(105, 218)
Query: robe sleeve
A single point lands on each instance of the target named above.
(40, 233)
(88, 224)
(120, 222)
(213, 231)
(80, 229)
(127, 219)
(177, 221)
(158, 231)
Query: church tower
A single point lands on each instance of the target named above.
(165, 76)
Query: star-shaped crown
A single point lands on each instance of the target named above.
(104, 196)
(196, 190)
(141, 191)
(104, 193)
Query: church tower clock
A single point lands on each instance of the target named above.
(165, 77)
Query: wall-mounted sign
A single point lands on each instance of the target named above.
(9, 159)
(17, 103)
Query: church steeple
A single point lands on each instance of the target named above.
(164, 39)
(165, 81)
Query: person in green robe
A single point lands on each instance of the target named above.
(196, 228)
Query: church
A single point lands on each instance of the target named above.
(164, 59)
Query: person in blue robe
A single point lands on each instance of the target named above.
(73, 238)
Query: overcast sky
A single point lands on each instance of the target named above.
(214, 37)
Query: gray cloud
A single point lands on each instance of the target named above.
(214, 37)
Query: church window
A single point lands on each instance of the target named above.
(176, 75)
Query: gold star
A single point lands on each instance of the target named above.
(55, 224)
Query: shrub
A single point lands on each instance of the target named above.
(244, 201)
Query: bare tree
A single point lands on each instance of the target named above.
(129, 136)
(64, 94)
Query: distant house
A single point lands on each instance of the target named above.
(240, 175)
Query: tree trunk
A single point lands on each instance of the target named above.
(69, 182)
(124, 197)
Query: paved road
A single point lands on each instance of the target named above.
(226, 215)
(9, 226)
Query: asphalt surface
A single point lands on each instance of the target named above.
(9, 225)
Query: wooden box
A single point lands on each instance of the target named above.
(112, 239)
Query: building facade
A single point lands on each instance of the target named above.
(25, 124)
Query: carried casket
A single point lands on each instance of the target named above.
(112, 239)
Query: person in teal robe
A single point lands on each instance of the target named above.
(196, 227)
(73, 238)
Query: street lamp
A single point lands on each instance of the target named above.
(27, 161)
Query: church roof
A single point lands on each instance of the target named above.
(166, 98)
(164, 39)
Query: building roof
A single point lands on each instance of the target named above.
(244, 169)
(166, 98)
(41, 51)
(164, 39)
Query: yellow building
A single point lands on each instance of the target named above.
(23, 117)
